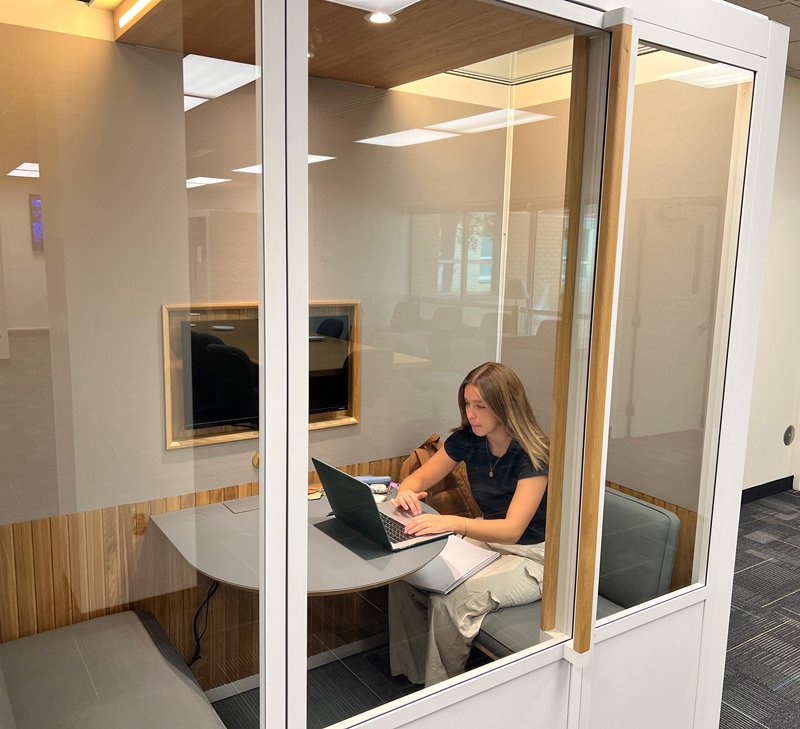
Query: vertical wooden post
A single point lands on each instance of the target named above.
(607, 238)
(558, 423)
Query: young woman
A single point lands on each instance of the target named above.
(506, 454)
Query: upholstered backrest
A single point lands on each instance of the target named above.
(638, 549)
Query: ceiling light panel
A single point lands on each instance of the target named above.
(407, 138)
(200, 181)
(499, 119)
(213, 77)
(26, 169)
(189, 102)
(377, 6)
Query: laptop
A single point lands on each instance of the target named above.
(352, 502)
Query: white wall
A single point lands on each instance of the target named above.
(776, 387)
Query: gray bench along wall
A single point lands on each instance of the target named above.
(636, 557)
(115, 672)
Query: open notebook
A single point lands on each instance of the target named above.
(458, 561)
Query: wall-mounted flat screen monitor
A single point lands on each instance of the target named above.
(220, 373)
(328, 363)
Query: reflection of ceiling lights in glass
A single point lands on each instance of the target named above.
(318, 158)
(386, 7)
(26, 169)
(212, 77)
(252, 169)
(406, 138)
(189, 102)
(711, 76)
(200, 181)
(499, 119)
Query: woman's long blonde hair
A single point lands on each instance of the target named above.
(504, 394)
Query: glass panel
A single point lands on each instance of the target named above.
(440, 209)
(124, 204)
(684, 194)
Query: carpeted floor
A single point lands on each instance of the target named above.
(336, 691)
(762, 670)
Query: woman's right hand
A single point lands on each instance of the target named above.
(409, 500)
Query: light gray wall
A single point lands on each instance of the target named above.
(112, 148)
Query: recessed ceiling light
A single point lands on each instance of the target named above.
(213, 77)
(252, 169)
(490, 120)
(388, 7)
(189, 102)
(406, 138)
(711, 76)
(318, 158)
(200, 181)
(379, 18)
(26, 169)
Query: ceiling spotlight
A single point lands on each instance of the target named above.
(380, 18)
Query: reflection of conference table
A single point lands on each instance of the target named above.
(326, 356)
(221, 541)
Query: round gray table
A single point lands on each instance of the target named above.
(342, 560)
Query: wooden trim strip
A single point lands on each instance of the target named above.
(558, 425)
(607, 240)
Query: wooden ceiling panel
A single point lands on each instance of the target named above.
(205, 27)
(427, 38)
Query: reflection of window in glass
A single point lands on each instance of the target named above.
(464, 244)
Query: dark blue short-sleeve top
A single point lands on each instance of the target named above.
(494, 494)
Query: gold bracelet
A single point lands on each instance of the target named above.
(466, 526)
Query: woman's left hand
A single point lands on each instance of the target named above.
(429, 524)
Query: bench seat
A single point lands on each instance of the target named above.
(117, 671)
(636, 559)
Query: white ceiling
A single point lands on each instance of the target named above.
(786, 12)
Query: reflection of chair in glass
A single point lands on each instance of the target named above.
(332, 328)
(405, 316)
(636, 558)
(235, 379)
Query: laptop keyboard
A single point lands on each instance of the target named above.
(395, 529)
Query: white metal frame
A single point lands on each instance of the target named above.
(741, 40)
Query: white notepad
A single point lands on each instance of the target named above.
(458, 561)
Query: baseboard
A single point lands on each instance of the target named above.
(232, 689)
(767, 489)
(320, 659)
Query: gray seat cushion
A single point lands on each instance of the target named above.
(6, 714)
(636, 558)
(117, 671)
(513, 629)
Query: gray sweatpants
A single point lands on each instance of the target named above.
(430, 635)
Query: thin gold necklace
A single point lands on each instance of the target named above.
(489, 453)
